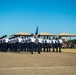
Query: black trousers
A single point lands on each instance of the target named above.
(60, 46)
(56, 46)
(18, 46)
(24, 46)
(53, 45)
(44, 46)
(32, 47)
(5, 47)
(39, 47)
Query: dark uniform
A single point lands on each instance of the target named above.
(0, 44)
(44, 44)
(24, 44)
(60, 44)
(48, 44)
(5, 44)
(56, 44)
(28, 46)
(32, 43)
(53, 44)
(39, 44)
(19, 39)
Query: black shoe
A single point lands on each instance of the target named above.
(60, 51)
(39, 52)
(19, 51)
(31, 52)
(56, 51)
(49, 50)
(53, 50)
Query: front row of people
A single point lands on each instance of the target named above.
(31, 44)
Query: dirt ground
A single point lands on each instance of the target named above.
(46, 63)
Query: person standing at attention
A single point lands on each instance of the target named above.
(60, 41)
(32, 43)
(39, 44)
(53, 44)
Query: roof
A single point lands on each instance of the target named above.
(46, 34)
(22, 34)
(66, 34)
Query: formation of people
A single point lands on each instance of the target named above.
(31, 44)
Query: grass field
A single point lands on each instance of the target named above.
(46, 63)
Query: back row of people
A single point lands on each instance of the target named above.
(31, 44)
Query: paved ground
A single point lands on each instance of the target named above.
(46, 63)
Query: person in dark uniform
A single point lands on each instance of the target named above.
(39, 44)
(60, 41)
(23, 44)
(0, 44)
(48, 44)
(35, 49)
(19, 39)
(12, 44)
(28, 47)
(44, 43)
(32, 43)
(56, 44)
(15, 44)
(5, 43)
(53, 44)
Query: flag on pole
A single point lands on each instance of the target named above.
(36, 30)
